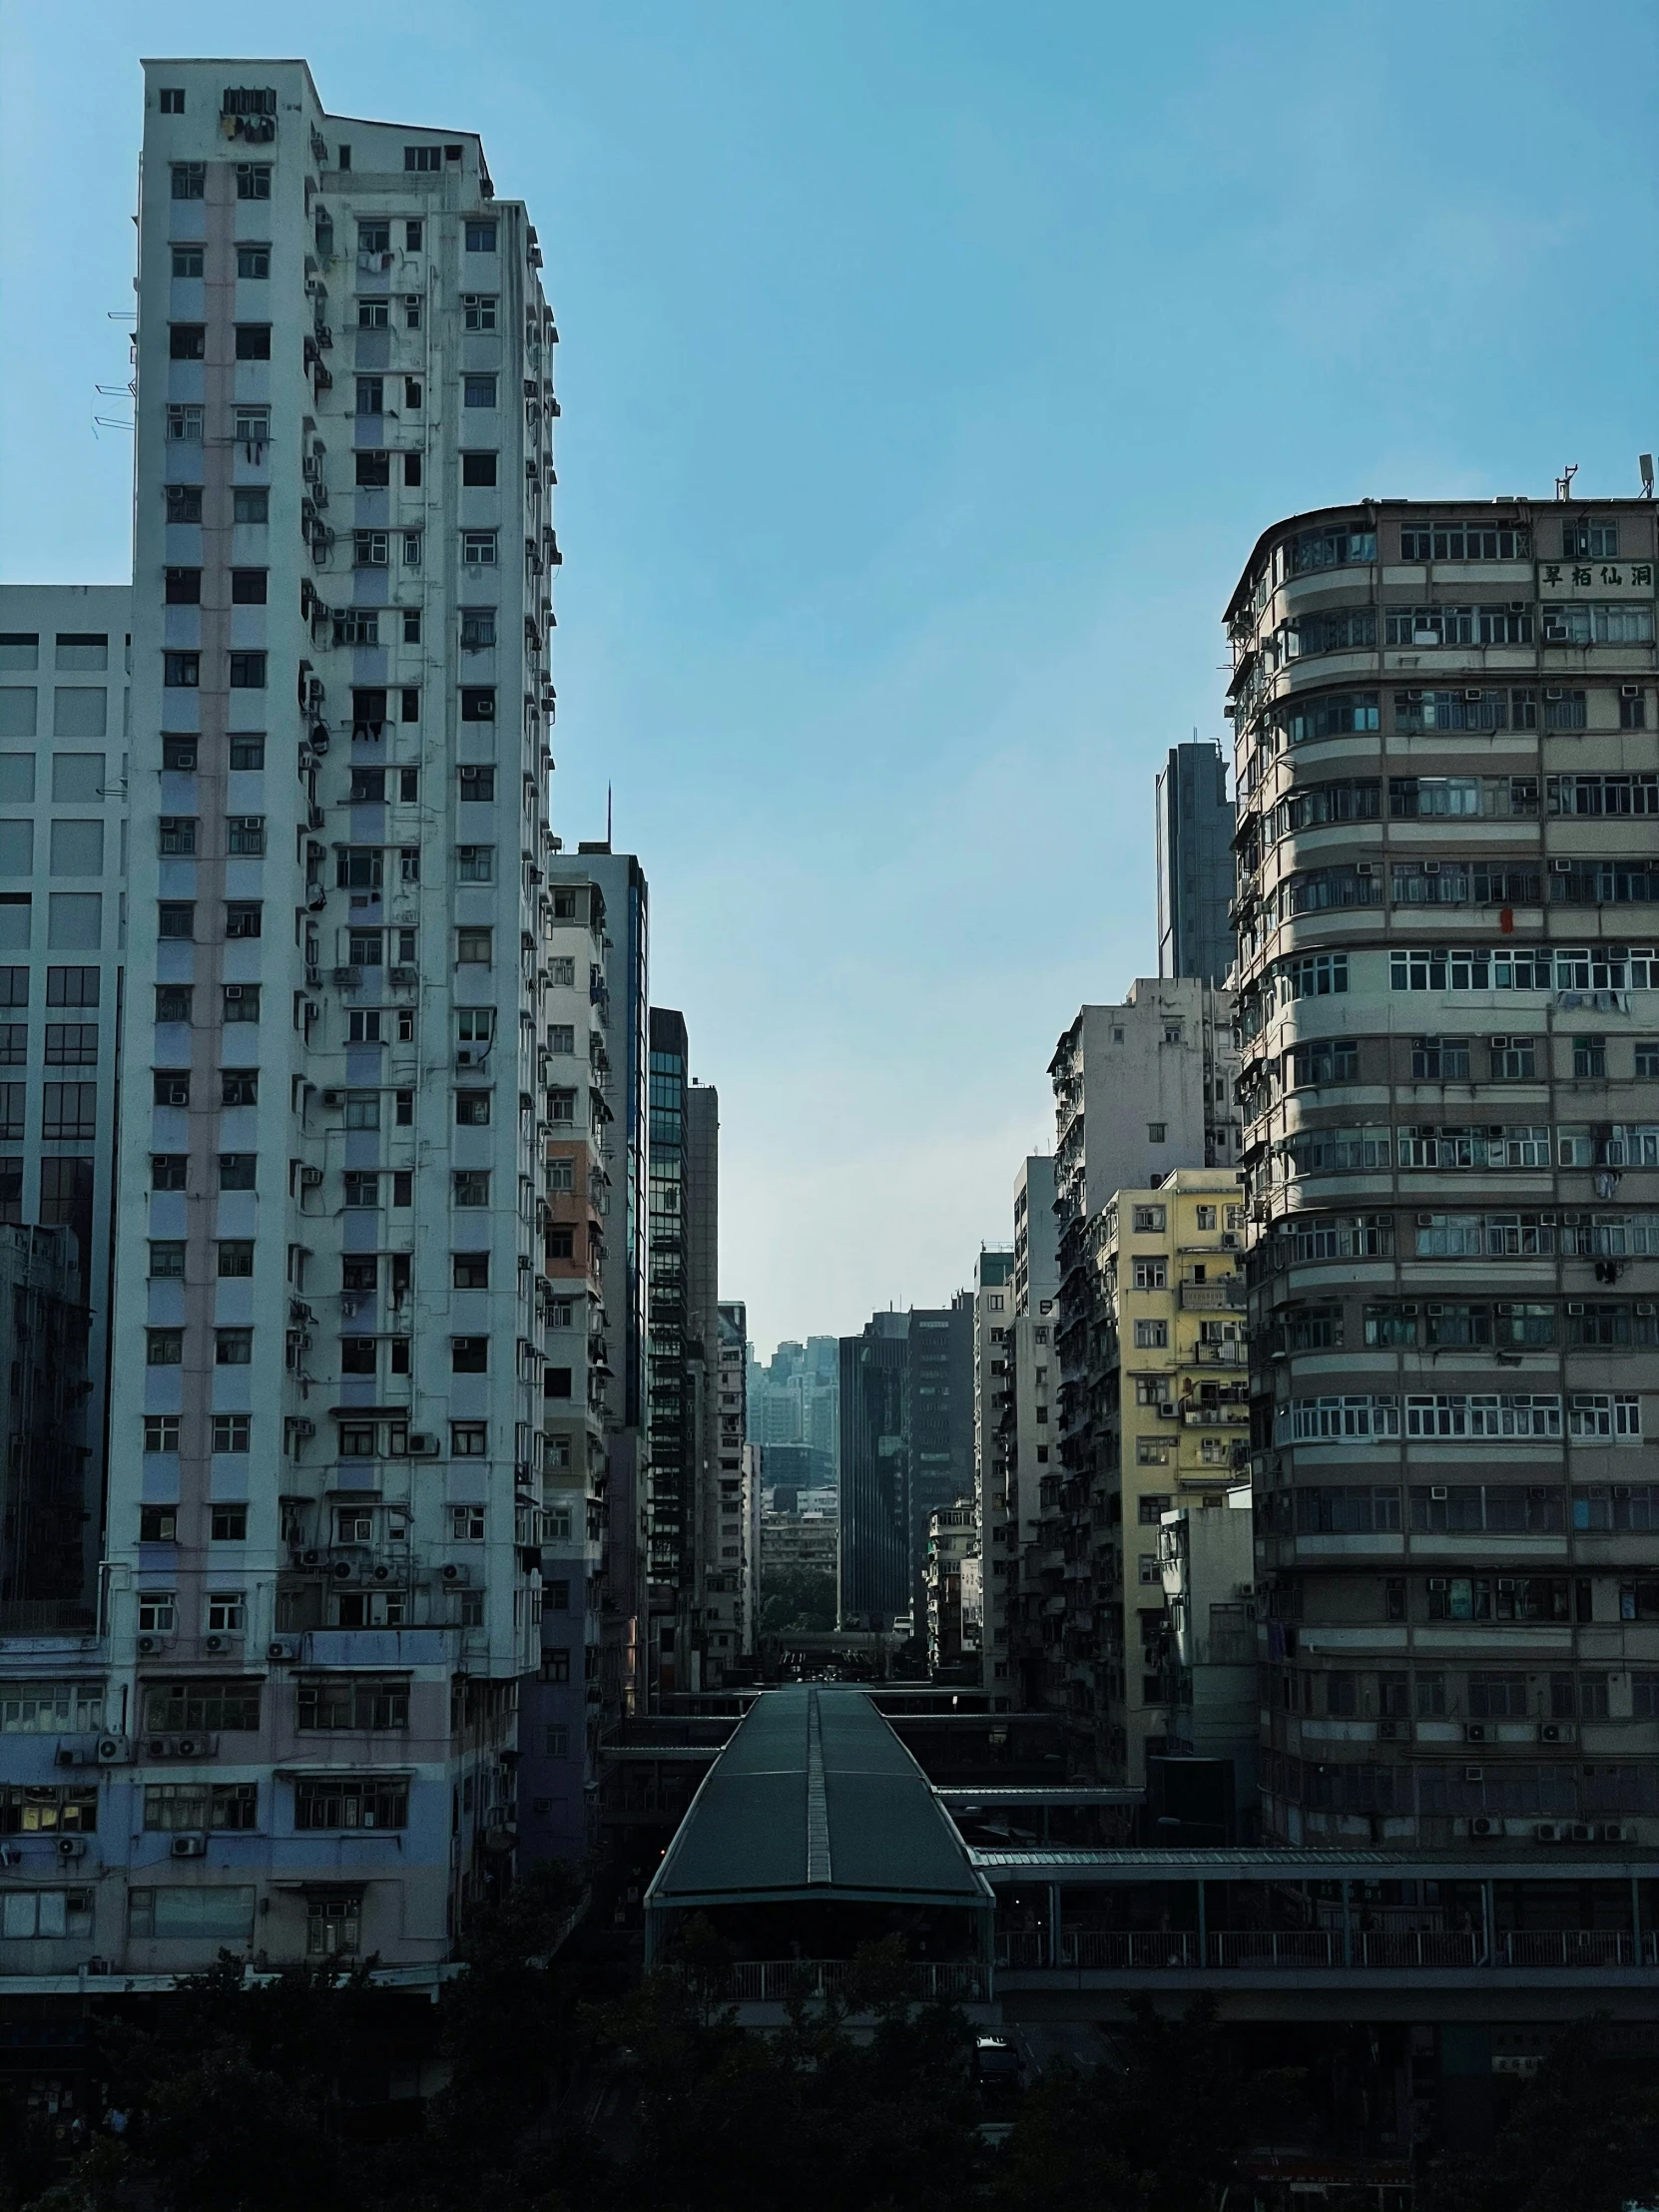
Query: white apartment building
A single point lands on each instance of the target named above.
(325, 1483)
(63, 670)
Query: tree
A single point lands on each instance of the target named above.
(798, 1599)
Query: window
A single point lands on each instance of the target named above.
(244, 833)
(236, 1171)
(1589, 1057)
(1498, 1697)
(185, 422)
(69, 1110)
(252, 180)
(184, 587)
(480, 235)
(239, 1087)
(468, 1439)
(232, 1348)
(217, 1914)
(187, 342)
(254, 263)
(478, 311)
(477, 786)
(250, 503)
(470, 1354)
(478, 703)
(1148, 1219)
(158, 1524)
(160, 1432)
(344, 1801)
(478, 468)
(253, 340)
(471, 1271)
(477, 628)
(371, 396)
(253, 426)
(184, 502)
(370, 549)
(1586, 540)
(166, 1258)
(171, 1087)
(230, 1434)
(166, 1348)
(181, 671)
(241, 1002)
(354, 1701)
(473, 948)
(561, 1037)
(1514, 1059)
(373, 314)
(236, 1257)
(167, 1171)
(182, 1807)
(412, 395)
(361, 1189)
(472, 1187)
(374, 468)
(1151, 1275)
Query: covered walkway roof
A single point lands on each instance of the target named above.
(815, 1797)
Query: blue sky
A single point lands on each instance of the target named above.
(928, 370)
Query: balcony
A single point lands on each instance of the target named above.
(1224, 1297)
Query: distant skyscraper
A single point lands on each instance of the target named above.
(1195, 866)
(906, 1432)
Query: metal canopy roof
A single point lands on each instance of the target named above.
(1042, 1861)
(815, 1798)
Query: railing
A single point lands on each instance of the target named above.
(1226, 1294)
(1292, 1950)
(776, 1981)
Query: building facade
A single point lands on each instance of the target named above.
(1024, 1445)
(952, 1539)
(1153, 1395)
(672, 1374)
(326, 1489)
(1207, 1561)
(1448, 1003)
(64, 702)
(726, 1566)
(1195, 865)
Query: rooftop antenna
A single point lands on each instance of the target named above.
(1564, 482)
(1644, 462)
(607, 816)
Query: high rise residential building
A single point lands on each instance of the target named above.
(952, 1539)
(794, 1400)
(672, 1410)
(1195, 865)
(993, 1303)
(1153, 1395)
(1447, 771)
(64, 677)
(1140, 1089)
(1022, 1443)
(907, 1436)
(1207, 1561)
(727, 1564)
(694, 1636)
(326, 1488)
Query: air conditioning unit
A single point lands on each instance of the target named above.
(194, 1747)
(1389, 1732)
(1230, 1243)
(1482, 1825)
(1616, 1831)
(1431, 867)
(472, 1055)
(305, 1427)
(1475, 1732)
(403, 974)
(189, 1847)
(344, 1570)
(1547, 1832)
(1557, 1732)
(72, 1847)
(148, 1646)
(282, 1647)
(1438, 1582)
(1475, 696)
(456, 1575)
(1474, 1773)
(111, 1749)
(1561, 868)
(311, 1179)
(1364, 868)
(219, 1643)
(235, 991)
(1630, 690)
(423, 1445)
(334, 1098)
(313, 1557)
(1581, 1832)
(383, 1574)
(1556, 632)
(1437, 1490)
(76, 1755)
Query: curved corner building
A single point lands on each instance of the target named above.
(1448, 919)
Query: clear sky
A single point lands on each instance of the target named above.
(929, 368)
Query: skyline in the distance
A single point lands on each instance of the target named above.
(927, 374)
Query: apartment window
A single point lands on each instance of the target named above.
(173, 1002)
(1150, 1335)
(1440, 1059)
(412, 233)
(236, 1171)
(481, 236)
(239, 1087)
(373, 314)
(473, 948)
(247, 671)
(244, 833)
(338, 1802)
(231, 1433)
(1429, 1688)
(1148, 1219)
(478, 468)
(354, 1701)
(175, 1808)
(371, 396)
(254, 263)
(250, 503)
(252, 180)
(184, 502)
(478, 703)
(253, 340)
(477, 786)
(478, 311)
(181, 671)
(374, 468)
(190, 180)
(183, 588)
(477, 628)
(561, 1037)
(1633, 709)
(1588, 540)
(478, 392)
(252, 427)
(156, 1613)
(171, 1087)
(69, 1110)
(478, 548)
(412, 395)
(1514, 1059)
(179, 754)
(167, 1259)
(412, 322)
(1151, 1275)
(236, 1257)
(472, 1187)
(187, 342)
(471, 1271)
(361, 1189)
(14, 1045)
(167, 1171)
(1589, 1057)
(232, 1348)
(1497, 1697)
(185, 422)
(158, 1524)
(370, 549)
(470, 1354)
(165, 1347)
(468, 1439)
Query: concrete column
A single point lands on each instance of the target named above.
(1054, 1924)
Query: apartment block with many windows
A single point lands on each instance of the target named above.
(327, 1469)
(1448, 913)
